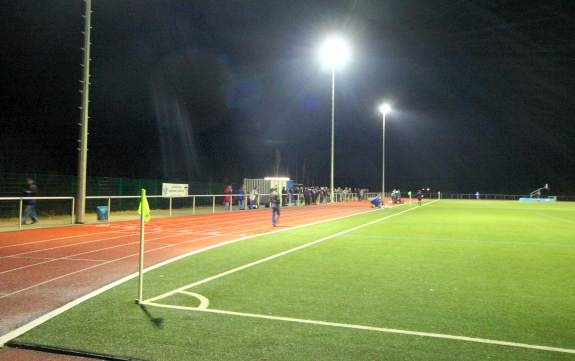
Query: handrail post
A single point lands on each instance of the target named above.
(193, 204)
(73, 208)
(109, 208)
(20, 215)
(213, 204)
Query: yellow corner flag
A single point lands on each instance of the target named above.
(144, 207)
(144, 212)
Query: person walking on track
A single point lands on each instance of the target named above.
(275, 205)
(30, 204)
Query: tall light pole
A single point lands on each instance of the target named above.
(83, 141)
(333, 53)
(383, 109)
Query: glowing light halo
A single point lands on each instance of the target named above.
(334, 52)
(384, 108)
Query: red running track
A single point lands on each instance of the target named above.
(43, 269)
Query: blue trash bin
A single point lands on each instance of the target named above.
(102, 213)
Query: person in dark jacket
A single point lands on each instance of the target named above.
(30, 190)
(241, 196)
(275, 206)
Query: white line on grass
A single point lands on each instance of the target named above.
(565, 220)
(40, 320)
(501, 242)
(280, 254)
(205, 302)
(370, 328)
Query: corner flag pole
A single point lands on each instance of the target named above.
(144, 211)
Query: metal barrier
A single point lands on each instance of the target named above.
(20, 205)
(124, 207)
(502, 197)
(468, 196)
(202, 203)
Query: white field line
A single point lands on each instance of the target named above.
(368, 328)
(501, 242)
(204, 301)
(186, 227)
(503, 207)
(561, 219)
(122, 258)
(166, 245)
(281, 254)
(40, 320)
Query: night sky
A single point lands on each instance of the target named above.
(197, 90)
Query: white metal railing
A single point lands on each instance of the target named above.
(212, 200)
(21, 200)
(211, 203)
(195, 202)
(468, 196)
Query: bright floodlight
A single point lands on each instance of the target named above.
(384, 108)
(334, 52)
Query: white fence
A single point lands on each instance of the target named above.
(123, 207)
(60, 210)
(19, 204)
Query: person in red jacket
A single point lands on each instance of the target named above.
(228, 197)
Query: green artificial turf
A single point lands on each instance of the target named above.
(486, 269)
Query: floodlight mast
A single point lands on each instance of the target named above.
(334, 53)
(383, 109)
(80, 210)
(331, 174)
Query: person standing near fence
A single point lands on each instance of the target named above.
(275, 205)
(228, 197)
(241, 195)
(253, 198)
(30, 190)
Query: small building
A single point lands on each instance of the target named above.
(264, 186)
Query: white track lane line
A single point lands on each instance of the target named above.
(125, 257)
(183, 226)
(57, 238)
(167, 245)
(40, 320)
(121, 226)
